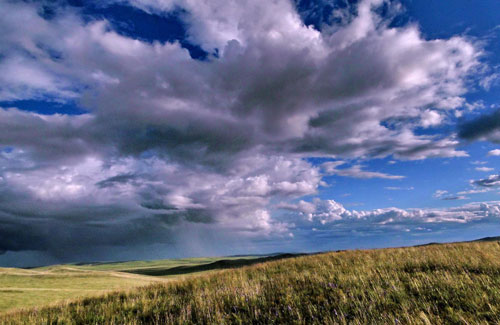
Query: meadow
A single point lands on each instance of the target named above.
(435, 284)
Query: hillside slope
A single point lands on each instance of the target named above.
(451, 283)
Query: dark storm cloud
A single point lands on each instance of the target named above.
(29, 224)
(56, 234)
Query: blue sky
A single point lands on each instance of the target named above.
(181, 128)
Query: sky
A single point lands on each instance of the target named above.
(146, 129)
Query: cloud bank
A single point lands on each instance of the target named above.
(331, 215)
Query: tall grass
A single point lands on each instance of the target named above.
(455, 283)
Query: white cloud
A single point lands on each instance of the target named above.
(494, 152)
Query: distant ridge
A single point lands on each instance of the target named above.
(484, 239)
(496, 238)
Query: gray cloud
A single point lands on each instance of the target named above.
(90, 199)
(286, 95)
(170, 143)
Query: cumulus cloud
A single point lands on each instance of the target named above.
(169, 142)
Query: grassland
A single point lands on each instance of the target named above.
(25, 288)
(436, 284)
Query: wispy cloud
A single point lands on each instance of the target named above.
(484, 169)
(474, 191)
(440, 193)
(396, 188)
(355, 171)
(446, 196)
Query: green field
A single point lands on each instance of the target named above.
(434, 284)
